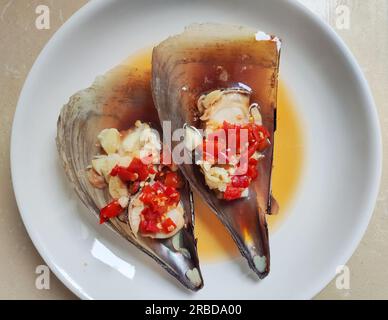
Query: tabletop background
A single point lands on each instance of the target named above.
(21, 42)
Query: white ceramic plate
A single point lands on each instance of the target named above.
(342, 162)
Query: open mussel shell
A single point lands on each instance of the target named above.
(203, 58)
(116, 100)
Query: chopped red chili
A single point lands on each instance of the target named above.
(158, 199)
(124, 174)
(240, 181)
(172, 180)
(134, 187)
(232, 193)
(168, 225)
(221, 143)
(137, 166)
(137, 170)
(111, 210)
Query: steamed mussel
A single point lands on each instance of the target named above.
(104, 135)
(214, 78)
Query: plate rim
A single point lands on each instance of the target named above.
(359, 229)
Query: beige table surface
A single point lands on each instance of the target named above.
(20, 44)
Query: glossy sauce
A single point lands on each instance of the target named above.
(214, 242)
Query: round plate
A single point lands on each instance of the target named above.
(342, 166)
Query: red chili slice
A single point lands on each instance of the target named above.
(148, 226)
(137, 170)
(151, 170)
(124, 174)
(232, 193)
(149, 223)
(173, 196)
(168, 225)
(147, 195)
(111, 210)
(262, 136)
(240, 181)
(252, 149)
(252, 172)
(137, 166)
(158, 187)
(148, 214)
(114, 171)
(253, 161)
(172, 180)
(134, 187)
(264, 144)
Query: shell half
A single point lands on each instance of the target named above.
(116, 100)
(204, 58)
